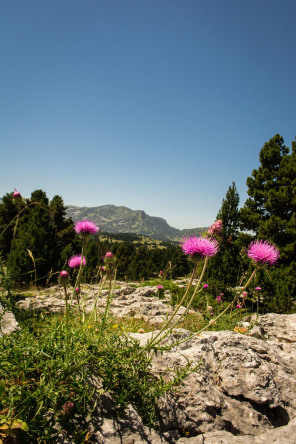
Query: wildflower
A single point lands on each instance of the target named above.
(218, 299)
(16, 195)
(115, 326)
(212, 314)
(64, 275)
(75, 261)
(263, 252)
(205, 286)
(85, 227)
(67, 408)
(216, 228)
(103, 269)
(258, 288)
(199, 247)
(77, 290)
(141, 330)
(108, 254)
(160, 287)
(238, 306)
(161, 272)
(245, 294)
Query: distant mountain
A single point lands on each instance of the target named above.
(114, 219)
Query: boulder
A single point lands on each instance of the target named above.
(8, 323)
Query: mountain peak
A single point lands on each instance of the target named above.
(121, 219)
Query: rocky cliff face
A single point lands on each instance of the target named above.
(114, 219)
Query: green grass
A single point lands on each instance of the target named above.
(43, 368)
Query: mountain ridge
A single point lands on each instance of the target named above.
(121, 219)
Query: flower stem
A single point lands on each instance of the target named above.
(153, 340)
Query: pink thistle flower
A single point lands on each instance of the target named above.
(245, 294)
(67, 408)
(161, 272)
(258, 288)
(85, 227)
(108, 255)
(103, 269)
(218, 299)
(212, 314)
(160, 287)
(75, 261)
(206, 286)
(199, 247)
(64, 275)
(77, 290)
(216, 228)
(16, 194)
(263, 252)
(238, 306)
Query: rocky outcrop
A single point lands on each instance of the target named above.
(8, 323)
(244, 390)
(128, 301)
(275, 327)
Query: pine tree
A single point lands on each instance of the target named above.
(66, 241)
(9, 209)
(224, 269)
(35, 238)
(270, 212)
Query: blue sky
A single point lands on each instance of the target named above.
(156, 105)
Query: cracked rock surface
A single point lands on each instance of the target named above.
(128, 301)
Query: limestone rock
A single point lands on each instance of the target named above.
(276, 327)
(8, 323)
(128, 301)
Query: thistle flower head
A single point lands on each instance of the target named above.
(75, 261)
(67, 408)
(85, 227)
(205, 286)
(160, 287)
(258, 288)
(263, 252)
(238, 306)
(218, 299)
(77, 290)
(108, 255)
(64, 275)
(16, 194)
(199, 247)
(216, 228)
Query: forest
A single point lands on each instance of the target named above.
(37, 239)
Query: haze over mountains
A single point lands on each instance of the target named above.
(120, 219)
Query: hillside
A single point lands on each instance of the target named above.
(114, 219)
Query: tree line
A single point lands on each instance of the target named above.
(41, 238)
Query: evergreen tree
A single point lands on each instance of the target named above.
(9, 209)
(66, 241)
(36, 237)
(224, 269)
(270, 212)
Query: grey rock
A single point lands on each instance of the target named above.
(128, 301)
(8, 323)
(275, 327)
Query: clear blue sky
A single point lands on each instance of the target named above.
(157, 105)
